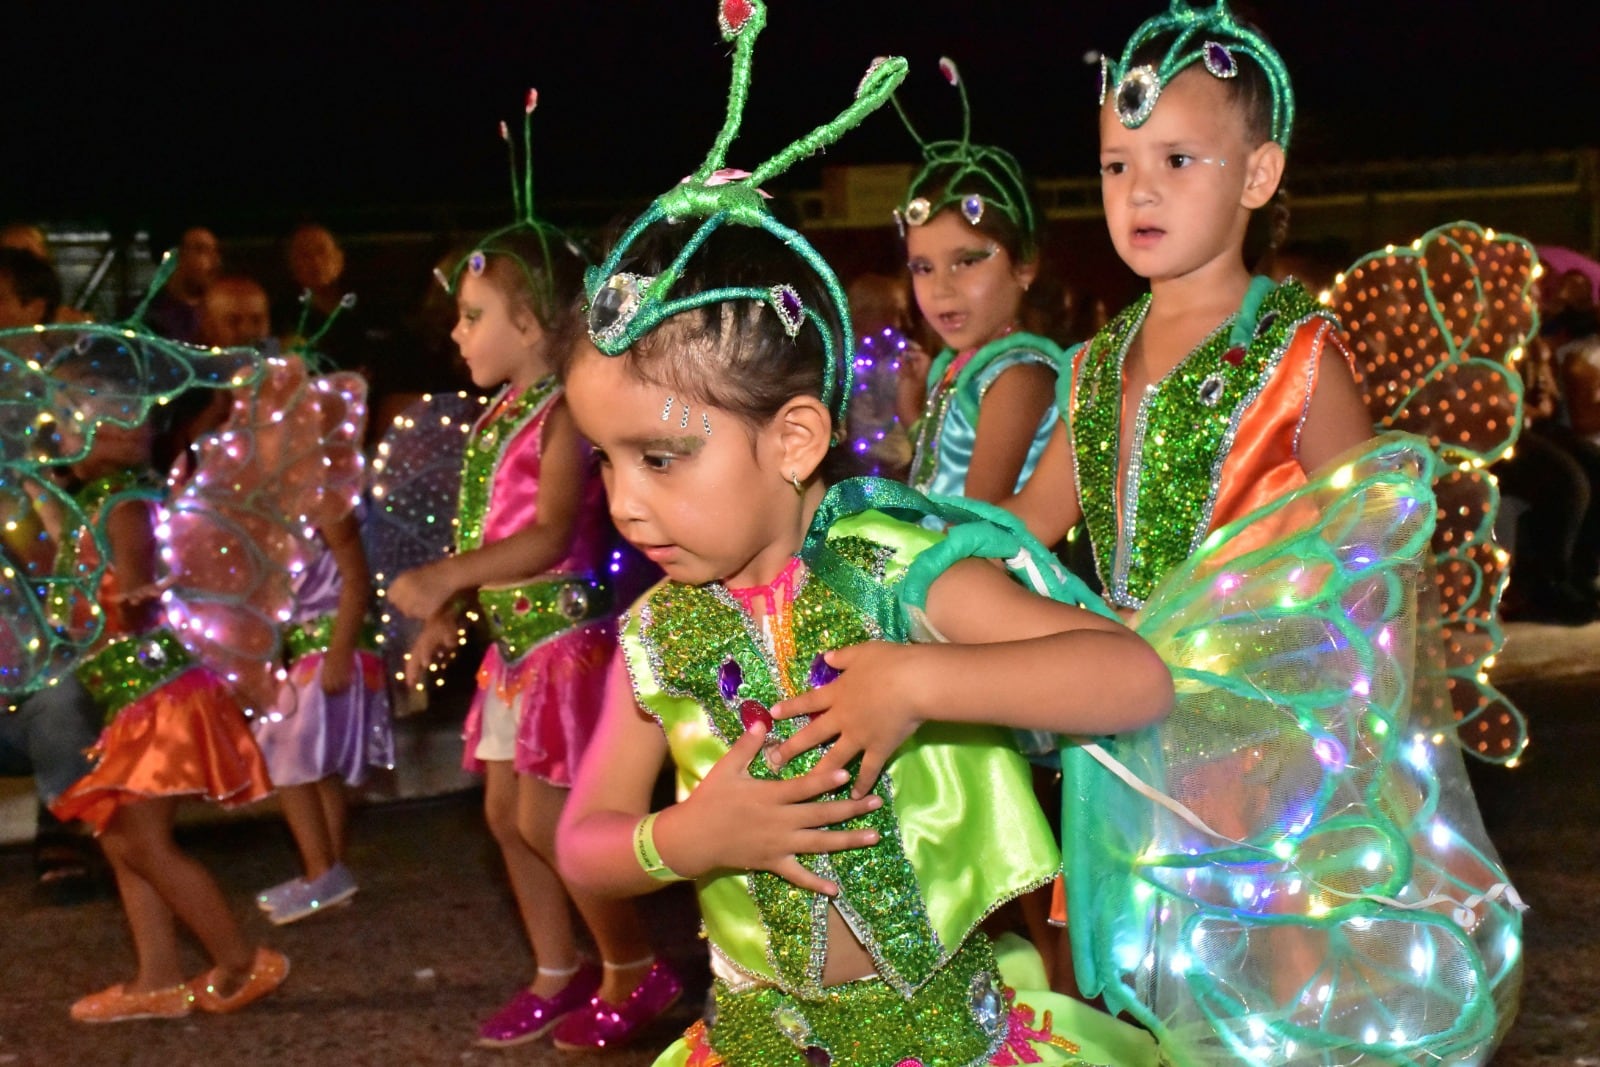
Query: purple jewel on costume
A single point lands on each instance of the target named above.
(972, 208)
(817, 1056)
(1219, 61)
(822, 672)
(729, 678)
(475, 263)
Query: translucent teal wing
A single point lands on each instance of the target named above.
(1291, 868)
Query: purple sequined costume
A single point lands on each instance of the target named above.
(311, 735)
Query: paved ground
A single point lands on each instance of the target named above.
(430, 944)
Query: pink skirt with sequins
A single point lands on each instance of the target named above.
(558, 690)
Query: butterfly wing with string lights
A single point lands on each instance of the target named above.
(416, 487)
(285, 462)
(61, 389)
(1436, 328)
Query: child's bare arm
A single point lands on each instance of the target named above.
(731, 821)
(133, 559)
(1014, 658)
(1337, 419)
(528, 552)
(343, 539)
(1007, 420)
(1048, 504)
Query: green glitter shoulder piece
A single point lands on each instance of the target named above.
(974, 177)
(1210, 36)
(623, 307)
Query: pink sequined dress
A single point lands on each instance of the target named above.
(554, 635)
(311, 735)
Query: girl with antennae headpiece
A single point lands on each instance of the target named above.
(531, 545)
(843, 929)
(986, 405)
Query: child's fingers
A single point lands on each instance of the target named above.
(811, 702)
(818, 731)
(792, 872)
(833, 812)
(812, 784)
(744, 749)
(867, 776)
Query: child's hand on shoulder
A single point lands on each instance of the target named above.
(422, 591)
(869, 710)
(736, 821)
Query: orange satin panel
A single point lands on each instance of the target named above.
(1263, 464)
(185, 738)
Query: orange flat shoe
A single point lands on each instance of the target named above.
(267, 972)
(118, 1005)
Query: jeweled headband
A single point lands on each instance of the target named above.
(959, 163)
(526, 221)
(1210, 36)
(623, 307)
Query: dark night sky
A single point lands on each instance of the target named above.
(243, 114)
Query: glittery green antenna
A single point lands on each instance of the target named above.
(526, 221)
(305, 344)
(962, 169)
(623, 307)
(1211, 36)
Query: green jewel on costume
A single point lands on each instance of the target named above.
(624, 306)
(1184, 429)
(974, 178)
(1207, 35)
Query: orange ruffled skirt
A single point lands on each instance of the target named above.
(186, 738)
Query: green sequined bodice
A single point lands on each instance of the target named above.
(1183, 432)
(484, 450)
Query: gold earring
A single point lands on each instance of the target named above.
(794, 480)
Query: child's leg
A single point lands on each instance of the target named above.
(541, 899)
(155, 935)
(140, 836)
(303, 811)
(618, 932)
(335, 813)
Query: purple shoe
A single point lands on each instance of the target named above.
(527, 1017)
(600, 1025)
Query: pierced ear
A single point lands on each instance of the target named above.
(1026, 272)
(799, 435)
(1263, 172)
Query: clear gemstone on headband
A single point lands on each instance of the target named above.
(1219, 61)
(918, 210)
(1136, 95)
(614, 306)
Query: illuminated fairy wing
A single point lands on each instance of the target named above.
(60, 389)
(286, 460)
(1291, 868)
(1436, 328)
(415, 487)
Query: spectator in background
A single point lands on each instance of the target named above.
(26, 236)
(235, 311)
(175, 312)
(316, 264)
(30, 292)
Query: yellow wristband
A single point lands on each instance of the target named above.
(644, 850)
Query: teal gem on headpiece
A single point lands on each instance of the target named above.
(526, 222)
(1210, 36)
(961, 165)
(623, 307)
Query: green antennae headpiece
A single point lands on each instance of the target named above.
(623, 307)
(1211, 36)
(526, 222)
(963, 169)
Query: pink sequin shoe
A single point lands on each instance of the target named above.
(600, 1025)
(527, 1017)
